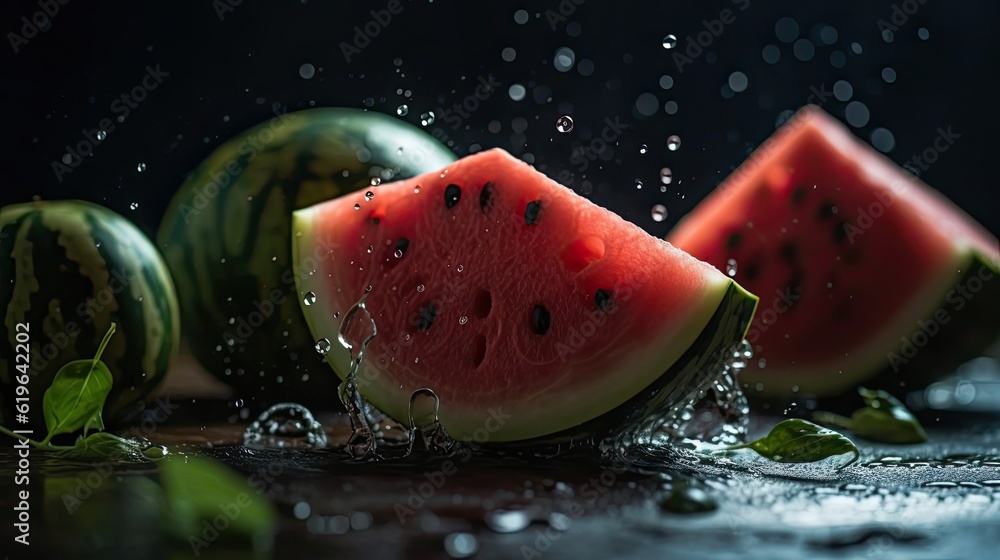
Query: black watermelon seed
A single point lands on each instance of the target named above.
(826, 210)
(789, 252)
(375, 221)
(799, 194)
(840, 231)
(402, 245)
(751, 272)
(486, 196)
(540, 319)
(451, 195)
(426, 317)
(602, 298)
(733, 241)
(532, 211)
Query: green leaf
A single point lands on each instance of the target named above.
(102, 445)
(801, 441)
(200, 489)
(883, 419)
(77, 394)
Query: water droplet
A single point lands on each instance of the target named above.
(463, 320)
(673, 142)
(369, 195)
(460, 268)
(731, 267)
(133, 206)
(643, 148)
(402, 110)
(323, 345)
(462, 545)
(309, 298)
(285, 425)
(398, 254)
(508, 521)
(141, 167)
(101, 135)
(666, 176)
(564, 124)
(638, 185)
(357, 207)
(420, 288)
(659, 213)
(761, 363)
(416, 189)
(376, 181)
(307, 71)
(427, 118)
(669, 41)
(370, 249)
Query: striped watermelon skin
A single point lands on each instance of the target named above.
(74, 268)
(226, 237)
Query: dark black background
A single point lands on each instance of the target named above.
(65, 79)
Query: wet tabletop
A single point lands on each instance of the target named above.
(936, 500)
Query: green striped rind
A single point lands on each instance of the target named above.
(226, 238)
(77, 267)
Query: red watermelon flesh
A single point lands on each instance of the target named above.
(526, 308)
(853, 259)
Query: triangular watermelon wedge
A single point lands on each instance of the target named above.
(865, 274)
(526, 308)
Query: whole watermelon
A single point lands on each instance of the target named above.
(69, 270)
(227, 239)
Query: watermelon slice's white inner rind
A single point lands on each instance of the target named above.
(570, 392)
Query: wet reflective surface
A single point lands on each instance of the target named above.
(940, 499)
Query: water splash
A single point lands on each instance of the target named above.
(358, 324)
(424, 417)
(285, 425)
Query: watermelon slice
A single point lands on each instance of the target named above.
(527, 309)
(864, 273)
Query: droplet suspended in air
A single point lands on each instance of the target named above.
(427, 118)
(402, 110)
(669, 41)
(666, 176)
(659, 213)
(643, 149)
(101, 135)
(323, 345)
(731, 267)
(309, 298)
(376, 181)
(673, 142)
(564, 124)
(133, 206)
(141, 167)
(307, 71)
(369, 195)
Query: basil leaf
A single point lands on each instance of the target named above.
(102, 445)
(801, 441)
(199, 489)
(884, 419)
(77, 394)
